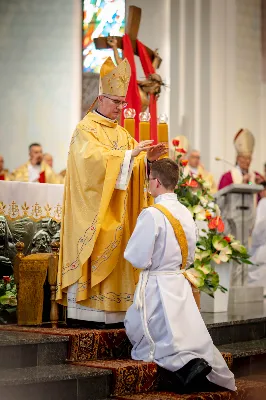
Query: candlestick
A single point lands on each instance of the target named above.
(144, 126)
(163, 130)
(129, 121)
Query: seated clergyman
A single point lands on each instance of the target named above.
(164, 324)
(36, 169)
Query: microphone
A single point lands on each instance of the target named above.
(222, 159)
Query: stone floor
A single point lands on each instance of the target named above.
(237, 312)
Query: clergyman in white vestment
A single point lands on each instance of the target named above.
(164, 324)
(257, 272)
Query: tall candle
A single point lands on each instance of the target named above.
(163, 133)
(144, 126)
(129, 121)
(144, 130)
(129, 125)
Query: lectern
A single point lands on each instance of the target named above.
(237, 204)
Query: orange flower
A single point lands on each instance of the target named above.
(208, 215)
(192, 183)
(184, 163)
(175, 142)
(181, 151)
(227, 239)
(216, 223)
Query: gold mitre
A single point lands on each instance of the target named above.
(244, 142)
(114, 80)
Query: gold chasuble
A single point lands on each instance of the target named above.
(98, 219)
(21, 174)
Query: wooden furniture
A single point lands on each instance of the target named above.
(30, 274)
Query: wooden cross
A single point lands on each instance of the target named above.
(132, 29)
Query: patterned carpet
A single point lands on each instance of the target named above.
(247, 390)
(131, 380)
(130, 376)
(86, 344)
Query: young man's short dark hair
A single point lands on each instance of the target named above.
(166, 171)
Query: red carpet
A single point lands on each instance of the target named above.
(131, 380)
(247, 390)
(87, 344)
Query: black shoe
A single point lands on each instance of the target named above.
(79, 324)
(193, 372)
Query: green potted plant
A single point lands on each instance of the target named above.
(8, 300)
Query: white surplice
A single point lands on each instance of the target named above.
(257, 272)
(164, 324)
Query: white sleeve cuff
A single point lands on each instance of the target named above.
(125, 171)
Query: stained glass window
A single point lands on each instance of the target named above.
(100, 18)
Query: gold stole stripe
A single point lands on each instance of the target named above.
(182, 241)
(179, 233)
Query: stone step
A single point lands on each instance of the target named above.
(130, 376)
(237, 330)
(249, 358)
(55, 382)
(86, 344)
(24, 349)
(247, 390)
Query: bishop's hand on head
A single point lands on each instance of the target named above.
(157, 151)
(142, 146)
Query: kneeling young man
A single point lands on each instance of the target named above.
(164, 324)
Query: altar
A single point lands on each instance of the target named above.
(29, 213)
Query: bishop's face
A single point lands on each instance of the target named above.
(111, 106)
(244, 162)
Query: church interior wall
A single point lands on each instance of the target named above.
(250, 87)
(216, 80)
(40, 77)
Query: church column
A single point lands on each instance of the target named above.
(222, 86)
(174, 69)
(197, 75)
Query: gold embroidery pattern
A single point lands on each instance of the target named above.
(109, 249)
(82, 242)
(36, 212)
(114, 244)
(74, 137)
(114, 297)
(102, 258)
